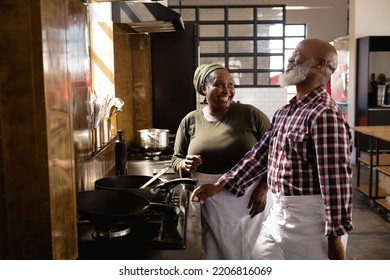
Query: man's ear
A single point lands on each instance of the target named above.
(321, 62)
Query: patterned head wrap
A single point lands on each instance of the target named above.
(202, 72)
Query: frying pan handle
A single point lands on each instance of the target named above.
(170, 209)
(172, 183)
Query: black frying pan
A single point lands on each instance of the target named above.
(132, 183)
(107, 208)
(110, 207)
(124, 182)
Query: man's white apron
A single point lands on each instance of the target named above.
(294, 230)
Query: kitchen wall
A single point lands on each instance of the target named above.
(133, 82)
(45, 122)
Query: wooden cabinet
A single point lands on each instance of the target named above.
(44, 99)
(373, 58)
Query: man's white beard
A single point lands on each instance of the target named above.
(295, 76)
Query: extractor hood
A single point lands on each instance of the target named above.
(142, 17)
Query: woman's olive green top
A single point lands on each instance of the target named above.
(220, 143)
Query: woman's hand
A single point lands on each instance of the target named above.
(203, 192)
(191, 163)
(258, 199)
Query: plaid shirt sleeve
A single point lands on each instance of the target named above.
(252, 166)
(333, 148)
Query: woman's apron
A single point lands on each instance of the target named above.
(294, 230)
(228, 232)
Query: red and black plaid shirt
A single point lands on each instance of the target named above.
(306, 151)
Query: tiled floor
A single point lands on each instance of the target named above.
(370, 239)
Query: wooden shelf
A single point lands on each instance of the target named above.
(384, 169)
(366, 191)
(383, 202)
(383, 160)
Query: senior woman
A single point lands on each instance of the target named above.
(209, 142)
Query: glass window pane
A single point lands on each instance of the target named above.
(264, 79)
(241, 62)
(291, 43)
(270, 62)
(212, 47)
(208, 60)
(243, 30)
(270, 46)
(211, 30)
(246, 79)
(295, 30)
(287, 55)
(272, 13)
(187, 14)
(212, 14)
(240, 14)
(265, 30)
(235, 64)
(263, 62)
(236, 77)
(276, 62)
(274, 41)
(274, 78)
(241, 46)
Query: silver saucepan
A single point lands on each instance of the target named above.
(153, 139)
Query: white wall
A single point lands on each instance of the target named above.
(267, 100)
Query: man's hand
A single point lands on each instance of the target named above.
(336, 250)
(203, 192)
(258, 199)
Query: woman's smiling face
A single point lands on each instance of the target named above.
(219, 89)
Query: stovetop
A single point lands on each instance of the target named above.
(155, 230)
(138, 153)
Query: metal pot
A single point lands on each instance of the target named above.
(153, 139)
